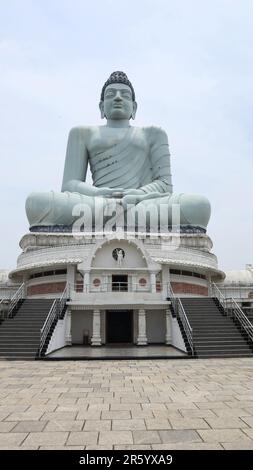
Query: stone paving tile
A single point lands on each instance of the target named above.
(232, 412)
(93, 414)
(128, 424)
(133, 447)
(7, 426)
(188, 423)
(146, 437)
(188, 446)
(61, 425)
(116, 415)
(197, 413)
(248, 420)
(157, 424)
(26, 416)
(98, 407)
(59, 416)
(97, 425)
(29, 426)
(248, 432)
(97, 447)
(178, 405)
(126, 406)
(226, 422)
(115, 437)
(222, 435)
(61, 447)
(241, 445)
(82, 438)
(12, 439)
(185, 435)
(46, 438)
(212, 405)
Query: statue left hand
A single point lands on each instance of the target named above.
(134, 199)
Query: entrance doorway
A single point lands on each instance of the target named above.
(119, 282)
(119, 326)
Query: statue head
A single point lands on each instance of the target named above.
(118, 98)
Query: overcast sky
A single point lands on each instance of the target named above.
(191, 64)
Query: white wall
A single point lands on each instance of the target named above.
(156, 326)
(176, 336)
(80, 321)
(58, 338)
(133, 256)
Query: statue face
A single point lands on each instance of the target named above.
(118, 102)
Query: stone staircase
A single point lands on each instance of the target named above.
(214, 333)
(20, 335)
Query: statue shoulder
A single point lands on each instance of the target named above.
(80, 131)
(156, 134)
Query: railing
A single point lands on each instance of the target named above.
(186, 325)
(63, 298)
(216, 293)
(172, 297)
(180, 313)
(53, 315)
(19, 294)
(236, 312)
(80, 287)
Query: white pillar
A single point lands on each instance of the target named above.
(68, 336)
(96, 334)
(105, 283)
(168, 317)
(71, 276)
(86, 281)
(165, 280)
(134, 283)
(153, 281)
(142, 334)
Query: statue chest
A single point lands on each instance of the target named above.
(104, 139)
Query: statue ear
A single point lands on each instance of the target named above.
(134, 110)
(101, 107)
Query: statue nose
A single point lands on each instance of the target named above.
(118, 96)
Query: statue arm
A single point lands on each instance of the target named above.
(76, 163)
(160, 163)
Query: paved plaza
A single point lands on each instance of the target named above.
(150, 404)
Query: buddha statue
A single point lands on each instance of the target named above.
(129, 165)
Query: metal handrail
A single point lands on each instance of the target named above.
(232, 308)
(180, 313)
(19, 294)
(186, 325)
(216, 293)
(63, 298)
(237, 313)
(52, 315)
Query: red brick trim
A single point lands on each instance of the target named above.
(185, 288)
(250, 296)
(50, 288)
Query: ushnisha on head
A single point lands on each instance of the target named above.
(118, 98)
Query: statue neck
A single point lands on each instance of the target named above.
(118, 123)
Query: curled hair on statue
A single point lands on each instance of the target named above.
(117, 77)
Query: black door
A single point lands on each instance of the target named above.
(119, 326)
